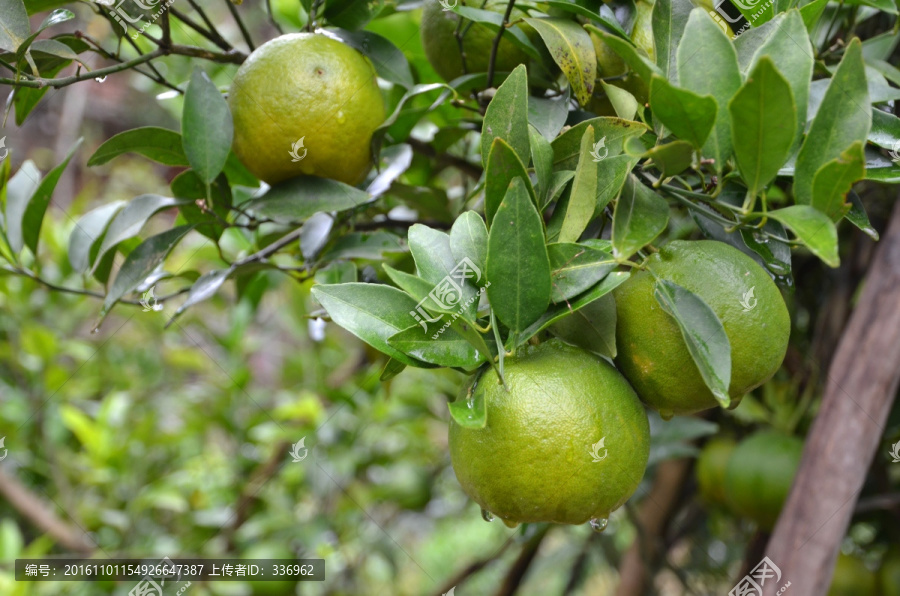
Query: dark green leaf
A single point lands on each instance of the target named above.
(14, 25)
(583, 198)
(389, 62)
(352, 14)
(611, 175)
(843, 118)
(640, 216)
(25, 215)
(493, 21)
(592, 327)
(764, 123)
(857, 216)
(542, 158)
(371, 312)
(572, 50)
(575, 268)
(835, 179)
(506, 116)
(141, 262)
(567, 146)
(206, 127)
(296, 199)
(885, 130)
(128, 222)
(364, 245)
(702, 332)
(811, 13)
(668, 20)
(707, 65)
(337, 272)
(469, 240)
(503, 167)
(608, 20)
(518, 267)
(689, 116)
(672, 158)
(548, 115)
(159, 144)
(636, 59)
(813, 228)
(204, 288)
(446, 349)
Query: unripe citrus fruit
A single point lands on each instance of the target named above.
(534, 460)
(852, 578)
(308, 87)
(652, 353)
(442, 48)
(759, 475)
(710, 469)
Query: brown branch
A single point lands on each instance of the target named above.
(258, 479)
(471, 569)
(653, 517)
(861, 386)
(520, 566)
(32, 507)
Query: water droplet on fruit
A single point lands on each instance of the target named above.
(666, 414)
(487, 515)
(598, 524)
(340, 117)
(510, 524)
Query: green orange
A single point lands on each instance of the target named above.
(305, 103)
(759, 475)
(652, 353)
(710, 469)
(534, 461)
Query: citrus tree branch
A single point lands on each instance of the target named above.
(861, 385)
(493, 61)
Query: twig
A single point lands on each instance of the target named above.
(491, 64)
(240, 23)
(222, 43)
(196, 27)
(272, 20)
(520, 566)
(878, 502)
(258, 479)
(471, 569)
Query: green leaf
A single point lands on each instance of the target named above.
(764, 123)
(558, 183)
(503, 167)
(364, 245)
(420, 291)
(611, 175)
(640, 216)
(493, 22)
(430, 249)
(885, 130)
(371, 312)
(702, 332)
(623, 102)
(506, 116)
(14, 25)
(25, 215)
(558, 311)
(583, 198)
(128, 222)
(608, 19)
(206, 127)
(89, 229)
(789, 49)
(469, 409)
(141, 262)
(811, 13)
(857, 216)
(636, 59)
(352, 14)
(567, 146)
(336, 272)
(19, 190)
(204, 288)
(518, 267)
(707, 65)
(575, 268)
(572, 50)
(391, 370)
(298, 198)
(844, 117)
(758, 14)
(835, 179)
(813, 228)
(447, 349)
(668, 21)
(689, 116)
(390, 63)
(159, 144)
(672, 158)
(592, 327)
(548, 115)
(469, 240)
(542, 158)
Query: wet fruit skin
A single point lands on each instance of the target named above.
(759, 475)
(652, 353)
(532, 462)
(311, 87)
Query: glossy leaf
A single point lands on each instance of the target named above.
(688, 115)
(702, 332)
(389, 61)
(640, 216)
(672, 158)
(858, 217)
(447, 349)
(503, 167)
(128, 222)
(469, 409)
(567, 146)
(506, 116)
(592, 327)
(835, 179)
(542, 159)
(668, 21)
(89, 229)
(636, 59)
(843, 118)
(813, 228)
(141, 262)
(707, 65)
(205, 288)
(764, 122)
(25, 214)
(611, 175)
(548, 116)
(623, 102)
(371, 312)
(364, 245)
(518, 267)
(14, 26)
(469, 240)
(571, 48)
(575, 268)
(159, 144)
(583, 198)
(298, 198)
(206, 127)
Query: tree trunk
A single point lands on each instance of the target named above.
(845, 435)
